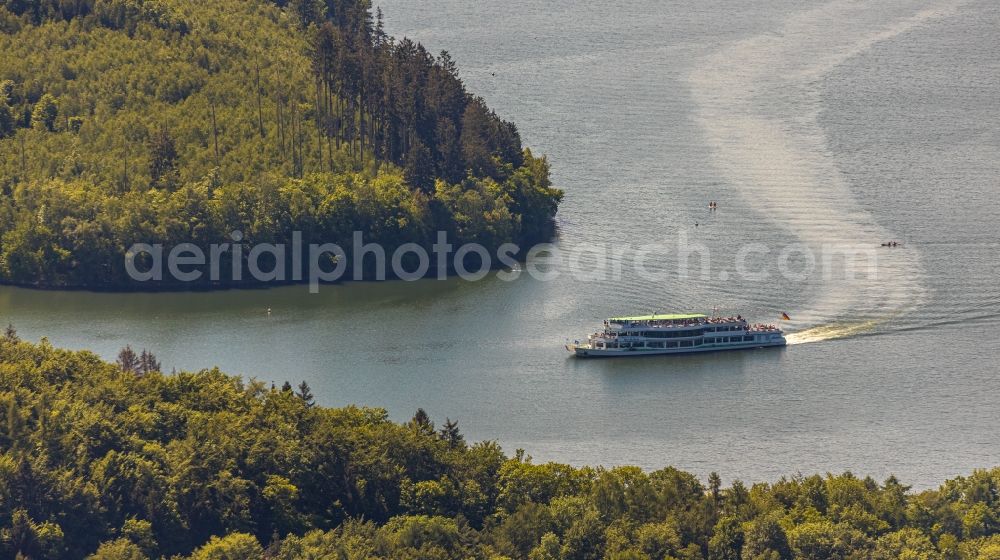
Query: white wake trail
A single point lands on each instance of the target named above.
(758, 103)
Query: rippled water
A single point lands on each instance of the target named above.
(838, 123)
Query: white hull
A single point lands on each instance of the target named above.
(584, 351)
(657, 335)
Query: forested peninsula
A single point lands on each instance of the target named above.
(181, 121)
(121, 462)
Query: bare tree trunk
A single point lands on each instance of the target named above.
(260, 107)
(340, 118)
(215, 135)
(328, 130)
(125, 177)
(296, 147)
(319, 123)
(281, 127)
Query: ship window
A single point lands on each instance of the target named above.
(686, 343)
(672, 344)
(697, 343)
(747, 339)
(656, 345)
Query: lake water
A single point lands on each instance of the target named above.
(811, 123)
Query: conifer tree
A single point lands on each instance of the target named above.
(128, 360)
(147, 363)
(7, 125)
(450, 434)
(305, 394)
(45, 113)
(162, 159)
(422, 422)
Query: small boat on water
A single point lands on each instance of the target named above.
(675, 334)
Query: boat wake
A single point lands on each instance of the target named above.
(758, 102)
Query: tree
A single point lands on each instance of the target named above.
(235, 546)
(906, 543)
(475, 140)
(118, 549)
(422, 422)
(727, 540)
(128, 360)
(548, 548)
(584, 539)
(305, 394)
(308, 11)
(7, 92)
(45, 113)
(819, 540)
(10, 333)
(659, 540)
(450, 434)
(163, 160)
(714, 484)
(764, 537)
(7, 125)
(140, 532)
(147, 363)
(31, 539)
(419, 169)
(737, 497)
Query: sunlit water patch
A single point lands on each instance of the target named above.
(758, 103)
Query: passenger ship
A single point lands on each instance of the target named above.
(675, 334)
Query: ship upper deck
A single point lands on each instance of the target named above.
(672, 321)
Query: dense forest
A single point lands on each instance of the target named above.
(120, 461)
(176, 121)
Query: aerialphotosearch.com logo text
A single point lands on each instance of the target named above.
(318, 263)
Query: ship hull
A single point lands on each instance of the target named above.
(584, 351)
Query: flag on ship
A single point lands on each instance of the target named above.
(785, 317)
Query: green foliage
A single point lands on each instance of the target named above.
(163, 160)
(7, 124)
(45, 113)
(235, 546)
(106, 462)
(173, 121)
(118, 549)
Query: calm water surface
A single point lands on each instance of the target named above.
(810, 123)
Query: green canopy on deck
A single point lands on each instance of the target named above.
(681, 317)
